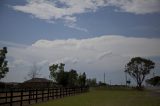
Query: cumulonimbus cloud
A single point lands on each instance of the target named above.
(108, 52)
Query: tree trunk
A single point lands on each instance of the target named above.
(139, 86)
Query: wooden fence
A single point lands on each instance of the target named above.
(30, 96)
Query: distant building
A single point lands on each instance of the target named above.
(38, 83)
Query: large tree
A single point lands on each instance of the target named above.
(3, 63)
(138, 68)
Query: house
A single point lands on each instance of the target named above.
(38, 83)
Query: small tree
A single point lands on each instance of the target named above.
(3, 63)
(53, 71)
(73, 77)
(82, 79)
(138, 68)
(58, 74)
(56, 71)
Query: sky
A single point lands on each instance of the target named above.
(92, 36)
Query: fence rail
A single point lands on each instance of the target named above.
(29, 96)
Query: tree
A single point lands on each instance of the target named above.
(138, 68)
(91, 82)
(53, 71)
(155, 81)
(82, 79)
(56, 71)
(34, 71)
(58, 74)
(3, 63)
(62, 78)
(73, 77)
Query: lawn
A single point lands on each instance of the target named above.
(103, 97)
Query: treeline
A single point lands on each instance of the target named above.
(69, 78)
(66, 78)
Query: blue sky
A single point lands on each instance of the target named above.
(35, 25)
(16, 26)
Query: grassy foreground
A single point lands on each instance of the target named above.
(105, 97)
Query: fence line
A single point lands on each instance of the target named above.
(29, 96)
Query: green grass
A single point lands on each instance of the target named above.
(103, 97)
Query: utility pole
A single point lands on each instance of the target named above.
(104, 77)
(110, 82)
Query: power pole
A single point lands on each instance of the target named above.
(110, 82)
(104, 77)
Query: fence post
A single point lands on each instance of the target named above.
(29, 96)
(74, 90)
(52, 93)
(56, 92)
(66, 91)
(81, 89)
(11, 97)
(36, 95)
(21, 97)
(48, 94)
(42, 95)
(60, 92)
(71, 89)
(6, 96)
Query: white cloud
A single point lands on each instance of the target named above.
(104, 54)
(49, 10)
(137, 6)
(93, 55)
(66, 10)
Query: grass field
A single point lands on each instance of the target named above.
(103, 97)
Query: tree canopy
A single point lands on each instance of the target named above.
(3, 63)
(138, 68)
